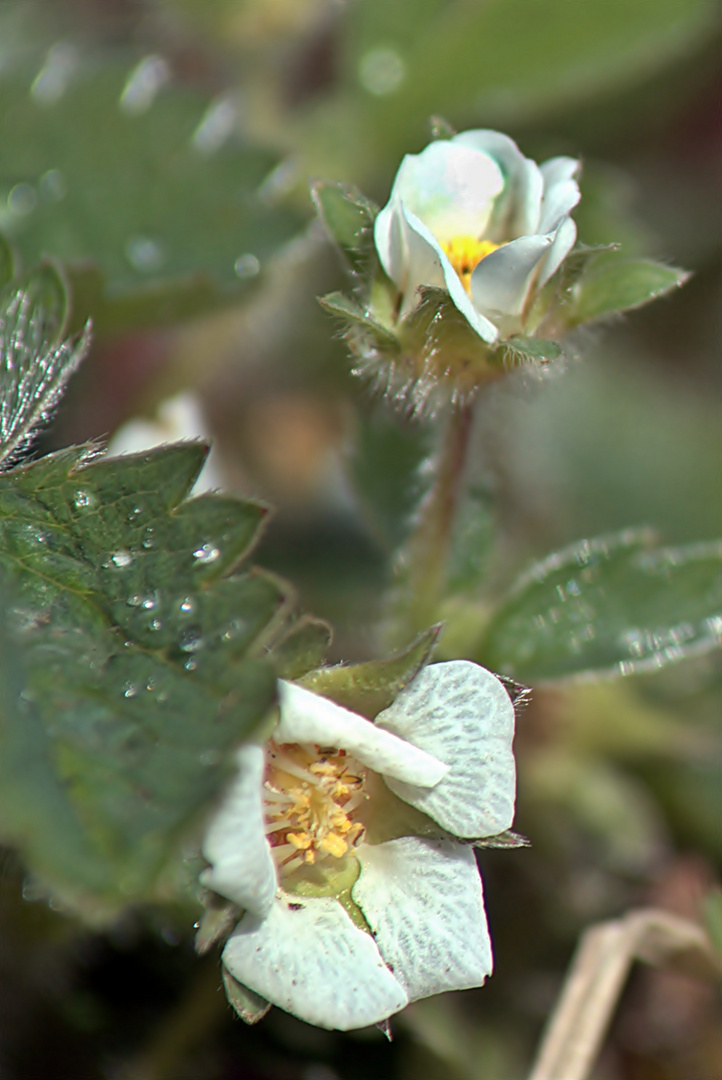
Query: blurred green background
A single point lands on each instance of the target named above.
(161, 151)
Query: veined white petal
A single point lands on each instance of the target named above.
(308, 958)
(423, 901)
(501, 281)
(561, 245)
(517, 211)
(309, 718)
(429, 265)
(235, 845)
(450, 188)
(460, 713)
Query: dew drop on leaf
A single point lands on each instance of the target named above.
(84, 500)
(190, 640)
(122, 558)
(207, 553)
(187, 605)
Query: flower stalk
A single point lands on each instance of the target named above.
(426, 560)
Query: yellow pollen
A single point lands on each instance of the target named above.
(312, 797)
(465, 253)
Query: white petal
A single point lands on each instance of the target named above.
(235, 843)
(562, 244)
(450, 188)
(461, 714)
(309, 718)
(423, 901)
(501, 281)
(517, 212)
(308, 958)
(390, 243)
(558, 169)
(429, 265)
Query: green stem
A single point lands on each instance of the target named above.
(428, 548)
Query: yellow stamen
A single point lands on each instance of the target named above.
(333, 844)
(302, 841)
(465, 253)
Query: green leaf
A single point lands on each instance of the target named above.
(139, 640)
(386, 467)
(610, 285)
(352, 316)
(34, 365)
(371, 687)
(139, 186)
(612, 605)
(349, 217)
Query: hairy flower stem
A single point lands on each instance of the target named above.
(427, 553)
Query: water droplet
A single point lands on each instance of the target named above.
(156, 625)
(247, 266)
(191, 664)
(134, 601)
(22, 199)
(121, 558)
(145, 254)
(52, 80)
(187, 605)
(381, 70)
(148, 542)
(191, 640)
(162, 696)
(150, 603)
(130, 690)
(53, 187)
(234, 628)
(207, 553)
(143, 84)
(196, 926)
(84, 499)
(217, 124)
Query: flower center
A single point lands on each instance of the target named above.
(312, 796)
(465, 253)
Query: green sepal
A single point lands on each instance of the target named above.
(302, 647)
(616, 604)
(217, 922)
(525, 351)
(505, 841)
(349, 217)
(370, 688)
(354, 319)
(609, 285)
(249, 1005)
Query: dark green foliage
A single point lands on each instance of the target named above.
(615, 604)
(133, 664)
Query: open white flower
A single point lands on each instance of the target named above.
(342, 841)
(473, 216)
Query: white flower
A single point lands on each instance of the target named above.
(342, 841)
(473, 216)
